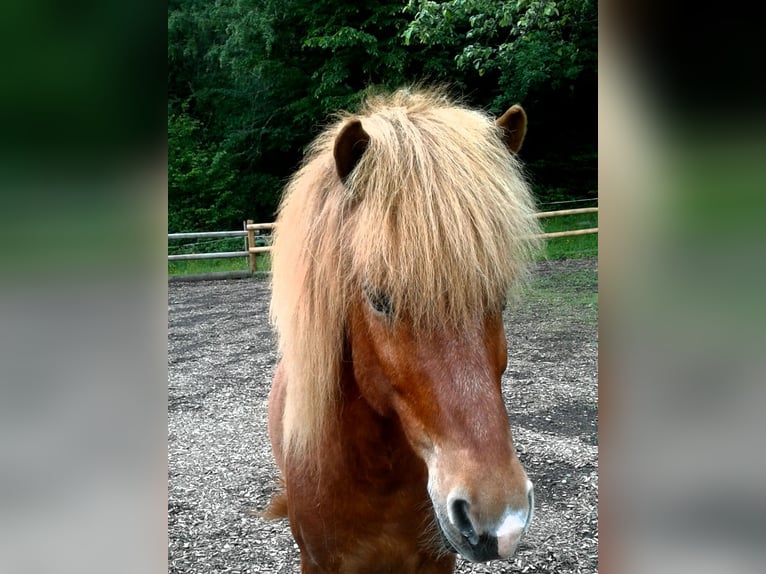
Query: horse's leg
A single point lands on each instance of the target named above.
(277, 507)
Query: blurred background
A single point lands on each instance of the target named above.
(682, 188)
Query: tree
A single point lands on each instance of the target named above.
(526, 46)
(251, 82)
(199, 179)
(542, 53)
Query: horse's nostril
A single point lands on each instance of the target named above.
(462, 521)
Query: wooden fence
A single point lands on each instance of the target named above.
(573, 232)
(251, 248)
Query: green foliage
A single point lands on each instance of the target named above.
(199, 178)
(527, 45)
(251, 82)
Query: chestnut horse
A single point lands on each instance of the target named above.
(396, 245)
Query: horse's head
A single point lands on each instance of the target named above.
(441, 376)
(404, 247)
(444, 387)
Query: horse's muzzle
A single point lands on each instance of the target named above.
(463, 533)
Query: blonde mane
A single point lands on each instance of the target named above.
(436, 214)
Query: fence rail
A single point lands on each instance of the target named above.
(252, 250)
(577, 211)
(572, 233)
(204, 234)
(220, 255)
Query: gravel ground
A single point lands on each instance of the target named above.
(221, 355)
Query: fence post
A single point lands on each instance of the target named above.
(251, 243)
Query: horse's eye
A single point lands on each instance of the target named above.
(379, 301)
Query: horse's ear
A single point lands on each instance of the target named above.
(349, 147)
(514, 124)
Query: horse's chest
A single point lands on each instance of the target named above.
(367, 511)
(389, 549)
(373, 534)
(381, 554)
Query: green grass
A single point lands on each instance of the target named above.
(572, 295)
(213, 245)
(575, 287)
(575, 247)
(194, 266)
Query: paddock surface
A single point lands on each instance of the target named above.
(221, 355)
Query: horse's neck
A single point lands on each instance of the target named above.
(374, 445)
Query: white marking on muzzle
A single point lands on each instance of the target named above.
(513, 525)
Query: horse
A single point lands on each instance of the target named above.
(397, 242)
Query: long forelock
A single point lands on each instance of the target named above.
(443, 219)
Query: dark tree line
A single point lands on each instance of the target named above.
(251, 82)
